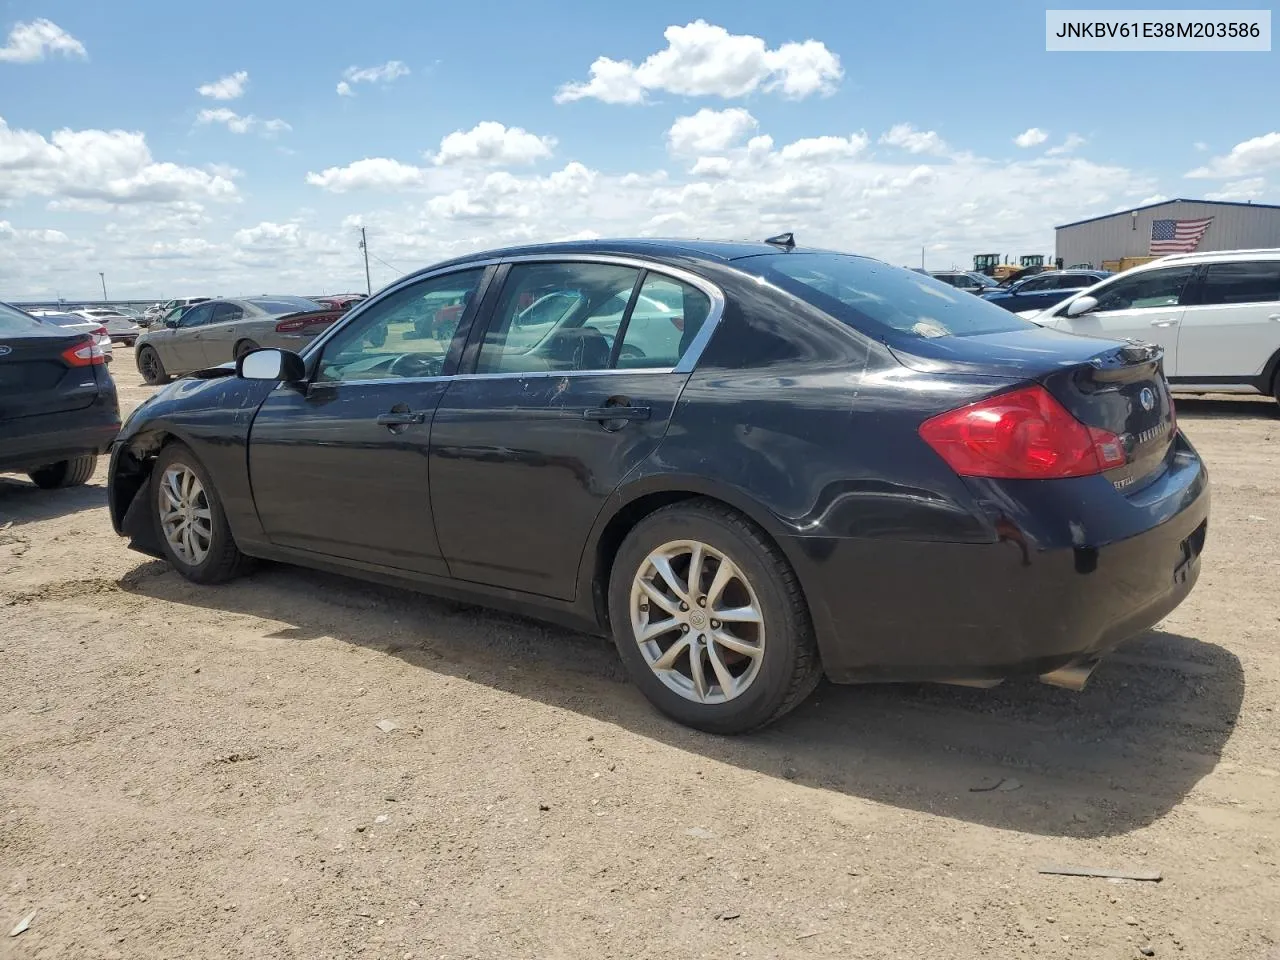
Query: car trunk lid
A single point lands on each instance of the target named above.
(35, 377)
(1115, 386)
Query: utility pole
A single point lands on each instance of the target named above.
(103, 277)
(364, 245)
(922, 256)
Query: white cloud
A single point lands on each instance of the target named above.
(31, 42)
(374, 173)
(241, 124)
(385, 73)
(704, 60)
(1253, 188)
(1070, 145)
(818, 149)
(709, 131)
(908, 138)
(492, 143)
(230, 87)
(1031, 137)
(1251, 156)
(1200, 146)
(111, 166)
(714, 167)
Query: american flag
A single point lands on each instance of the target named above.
(1177, 236)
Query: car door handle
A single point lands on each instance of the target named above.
(400, 419)
(1164, 323)
(605, 414)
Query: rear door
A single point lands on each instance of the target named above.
(339, 465)
(529, 444)
(1231, 327)
(1146, 305)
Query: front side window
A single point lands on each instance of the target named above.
(1246, 282)
(396, 338)
(1036, 284)
(196, 317)
(879, 299)
(1150, 288)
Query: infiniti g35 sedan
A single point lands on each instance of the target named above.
(817, 464)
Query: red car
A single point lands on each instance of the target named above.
(340, 301)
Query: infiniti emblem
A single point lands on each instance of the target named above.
(1147, 398)
(5, 350)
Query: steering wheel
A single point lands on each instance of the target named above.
(416, 365)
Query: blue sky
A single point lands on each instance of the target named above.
(262, 193)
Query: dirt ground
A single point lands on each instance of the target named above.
(196, 772)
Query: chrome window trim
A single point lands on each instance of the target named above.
(687, 363)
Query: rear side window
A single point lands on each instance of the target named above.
(666, 317)
(14, 321)
(1249, 282)
(226, 312)
(877, 298)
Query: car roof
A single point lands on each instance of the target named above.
(668, 250)
(1218, 256)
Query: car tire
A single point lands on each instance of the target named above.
(151, 367)
(770, 682)
(65, 473)
(243, 347)
(183, 496)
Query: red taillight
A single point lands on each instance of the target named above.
(1022, 435)
(297, 324)
(100, 332)
(84, 354)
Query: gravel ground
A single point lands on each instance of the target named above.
(196, 772)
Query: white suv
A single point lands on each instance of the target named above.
(1217, 315)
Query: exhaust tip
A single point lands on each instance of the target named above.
(1073, 676)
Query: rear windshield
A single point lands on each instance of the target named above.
(15, 321)
(882, 300)
(284, 304)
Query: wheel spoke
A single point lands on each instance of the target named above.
(657, 596)
(747, 614)
(696, 556)
(668, 659)
(723, 675)
(657, 629)
(202, 513)
(662, 565)
(697, 674)
(730, 642)
(724, 574)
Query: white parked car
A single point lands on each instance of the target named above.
(1217, 315)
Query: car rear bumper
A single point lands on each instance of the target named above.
(920, 611)
(31, 442)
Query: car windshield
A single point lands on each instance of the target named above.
(284, 304)
(15, 321)
(882, 300)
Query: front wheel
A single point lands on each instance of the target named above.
(193, 526)
(150, 366)
(710, 620)
(65, 473)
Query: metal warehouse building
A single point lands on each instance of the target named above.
(1234, 226)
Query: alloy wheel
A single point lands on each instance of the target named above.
(186, 518)
(698, 621)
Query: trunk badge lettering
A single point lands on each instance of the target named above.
(1147, 398)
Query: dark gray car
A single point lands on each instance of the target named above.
(218, 331)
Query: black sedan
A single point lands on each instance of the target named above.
(818, 464)
(58, 408)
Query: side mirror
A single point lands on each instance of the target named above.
(276, 365)
(1082, 305)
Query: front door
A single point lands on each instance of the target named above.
(526, 449)
(184, 350)
(339, 465)
(1232, 326)
(1146, 305)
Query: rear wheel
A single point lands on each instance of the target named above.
(710, 621)
(190, 520)
(150, 367)
(243, 347)
(65, 473)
